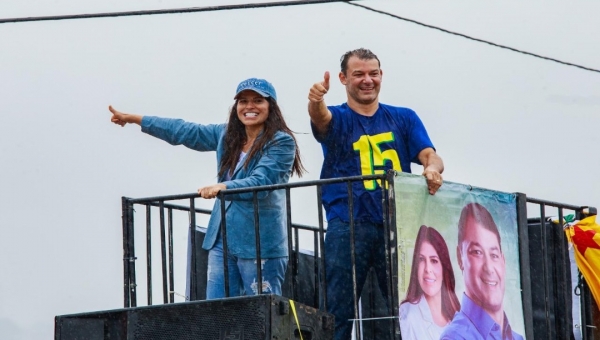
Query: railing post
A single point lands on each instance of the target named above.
(564, 321)
(193, 274)
(587, 320)
(522, 229)
(322, 287)
(389, 225)
(355, 293)
(291, 256)
(129, 284)
(225, 247)
(163, 251)
(257, 240)
(149, 254)
(171, 274)
(550, 322)
(588, 328)
(316, 269)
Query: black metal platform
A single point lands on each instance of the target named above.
(267, 317)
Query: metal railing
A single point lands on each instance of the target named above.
(559, 310)
(166, 208)
(548, 297)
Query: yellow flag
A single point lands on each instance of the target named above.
(585, 236)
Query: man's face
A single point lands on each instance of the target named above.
(362, 80)
(483, 265)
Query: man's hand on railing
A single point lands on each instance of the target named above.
(211, 191)
(121, 118)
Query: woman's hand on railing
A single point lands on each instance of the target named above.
(211, 191)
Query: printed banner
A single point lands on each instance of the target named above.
(458, 262)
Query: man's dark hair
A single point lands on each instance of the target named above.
(360, 53)
(482, 216)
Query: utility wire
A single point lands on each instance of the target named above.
(474, 39)
(279, 4)
(168, 11)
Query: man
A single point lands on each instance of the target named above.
(362, 137)
(482, 262)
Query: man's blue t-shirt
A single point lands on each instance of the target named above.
(357, 145)
(474, 323)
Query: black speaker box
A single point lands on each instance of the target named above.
(551, 290)
(372, 303)
(268, 317)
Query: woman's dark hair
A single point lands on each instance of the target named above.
(450, 304)
(235, 138)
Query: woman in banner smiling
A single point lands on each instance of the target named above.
(254, 148)
(430, 301)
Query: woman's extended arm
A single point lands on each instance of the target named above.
(173, 131)
(121, 118)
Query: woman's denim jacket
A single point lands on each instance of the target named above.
(271, 166)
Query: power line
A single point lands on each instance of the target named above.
(168, 11)
(279, 4)
(474, 39)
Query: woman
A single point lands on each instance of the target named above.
(254, 148)
(430, 300)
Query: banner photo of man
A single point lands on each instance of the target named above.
(458, 262)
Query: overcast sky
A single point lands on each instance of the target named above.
(499, 119)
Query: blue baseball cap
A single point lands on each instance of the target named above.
(260, 86)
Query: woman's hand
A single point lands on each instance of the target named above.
(121, 118)
(211, 191)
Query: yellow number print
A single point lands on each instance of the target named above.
(371, 156)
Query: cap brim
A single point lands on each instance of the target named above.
(254, 90)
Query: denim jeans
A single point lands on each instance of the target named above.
(242, 274)
(369, 243)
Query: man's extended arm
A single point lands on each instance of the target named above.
(433, 166)
(319, 114)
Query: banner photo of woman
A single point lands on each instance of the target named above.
(458, 262)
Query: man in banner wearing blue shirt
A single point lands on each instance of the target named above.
(482, 262)
(362, 137)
